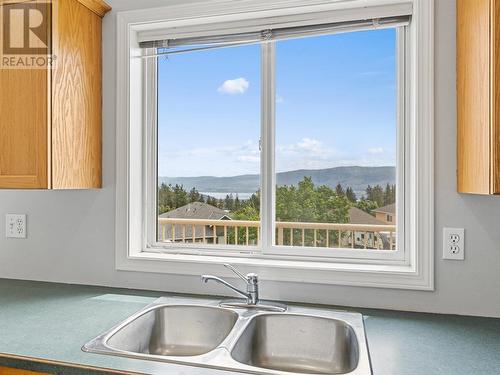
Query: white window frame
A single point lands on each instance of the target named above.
(268, 248)
(136, 247)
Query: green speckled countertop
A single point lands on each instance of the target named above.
(50, 323)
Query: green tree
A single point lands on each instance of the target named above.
(309, 203)
(330, 206)
(339, 189)
(367, 205)
(194, 195)
(306, 195)
(349, 193)
(219, 203)
(287, 206)
(389, 194)
(248, 212)
(369, 192)
(254, 201)
(237, 203)
(211, 201)
(180, 196)
(164, 198)
(375, 194)
(172, 197)
(229, 202)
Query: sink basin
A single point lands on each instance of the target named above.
(175, 331)
(298, 344)
(198, 332)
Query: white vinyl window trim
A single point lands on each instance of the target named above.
(136, 246)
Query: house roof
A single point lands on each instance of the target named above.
(197, 210)
(357, 216)
(389, 209)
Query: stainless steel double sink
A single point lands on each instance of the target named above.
(198, 332)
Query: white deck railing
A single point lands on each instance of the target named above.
(245, 232)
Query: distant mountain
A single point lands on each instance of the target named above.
(356, 177)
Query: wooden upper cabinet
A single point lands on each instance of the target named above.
(478, 96)
(50, 117)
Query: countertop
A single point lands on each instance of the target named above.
(43, 327)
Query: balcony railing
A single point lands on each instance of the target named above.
(245, 232)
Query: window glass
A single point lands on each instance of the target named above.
(336, 143)
(208, 147)
(336, 136)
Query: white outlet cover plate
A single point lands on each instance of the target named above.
(454, 243)
(15, 226)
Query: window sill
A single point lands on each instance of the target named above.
(363, 275)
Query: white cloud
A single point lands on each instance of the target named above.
(231, 159)
(309, 144)
(249, 158)
(376, 150)
(307, 153)
(248, 152)
(307, 147)
(217, 160)
(234, 86)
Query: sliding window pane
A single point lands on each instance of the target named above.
(208, 147)
(336, 140)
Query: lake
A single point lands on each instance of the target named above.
(219, 195)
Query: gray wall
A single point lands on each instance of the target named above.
(71, 233)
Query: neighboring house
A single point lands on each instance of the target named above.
(386, 214)
(197, 211)
(370, 239)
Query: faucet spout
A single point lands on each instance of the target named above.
(251, 295)
(207, 278)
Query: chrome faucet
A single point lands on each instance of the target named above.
(251, 279)
(251, 294)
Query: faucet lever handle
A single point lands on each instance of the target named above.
(238, 273)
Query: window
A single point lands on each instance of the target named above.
(333, 163)
(278, 138)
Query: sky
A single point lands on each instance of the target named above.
(335, 106)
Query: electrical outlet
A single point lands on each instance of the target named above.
(15, 226)
(454, 243)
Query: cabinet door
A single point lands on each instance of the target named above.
(12, 371)
(24, 136)
(76, 98)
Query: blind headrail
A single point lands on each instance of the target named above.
(201, 43)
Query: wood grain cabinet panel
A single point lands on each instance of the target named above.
(23, 130)
(478, 96)
(50, 119)
(13, 371)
